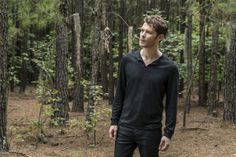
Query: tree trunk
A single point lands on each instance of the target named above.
(3, 76)
(78, 105)
(61, 105)
(153, 4)
(165, 8)
(121, 29)
(110, 54)
(77, 55)
(95, 59)
(212, 99)
(230, 73)
(182, 30)
(103, 52)
(14, 49)
(23, 70)
(188, 52)
(138, 12)
(130, 38)
(201, 90)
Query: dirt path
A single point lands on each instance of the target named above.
(204, 136)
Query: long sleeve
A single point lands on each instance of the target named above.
(120, 94)
(171, 102)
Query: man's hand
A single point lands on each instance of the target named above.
(113, 131)
(165, 143)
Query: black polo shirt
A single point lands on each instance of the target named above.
(140, 93)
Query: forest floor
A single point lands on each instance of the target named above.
(204, 136)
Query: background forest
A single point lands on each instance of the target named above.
(59, 62)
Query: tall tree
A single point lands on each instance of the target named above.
(109, 51)
(14, 48)
(230, 72)
(3, 75)
(188, 52)
(211, 100)
(78, 91)
(201, 90)
(103, 52)
(182, 30)
(23, 75)
(165, 8)
(61, 105)
(77, 54)
(121, 28)
(153, 4)
(95, 59)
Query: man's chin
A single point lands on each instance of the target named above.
(142, 45)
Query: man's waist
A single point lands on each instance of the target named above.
(140, 126)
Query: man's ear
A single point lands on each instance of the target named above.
(161, 36)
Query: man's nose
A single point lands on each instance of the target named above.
(142, 34)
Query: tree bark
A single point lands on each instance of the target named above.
(130, 38)
(121, 29)
(212, 99)
(165, 8)
(14, 49)
(78, 105)
(23, 69)
(201, 90)
(95, 58)
(182, 30)
(188, 52)
(3, 76)
(77, 55)
(61, 105)
(109, 51)
(153, 4)
(103, 54)
(230, 73)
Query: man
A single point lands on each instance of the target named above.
(145, 78)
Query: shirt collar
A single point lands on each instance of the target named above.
(139, 58)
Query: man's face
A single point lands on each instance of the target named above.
(148, 36)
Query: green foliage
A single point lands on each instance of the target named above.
(90, 123)
(96, 93)
(44, 59)
(152, 12)
(227, 7)
(34, 19)
(171, 47)
(89, 126)
(35, 13)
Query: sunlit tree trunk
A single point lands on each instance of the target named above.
(77, 55)
(230, 73)
(3, 76)
(78, 96)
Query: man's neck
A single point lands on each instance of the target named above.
(150, 54)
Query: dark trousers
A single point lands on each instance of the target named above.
(128, 139)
